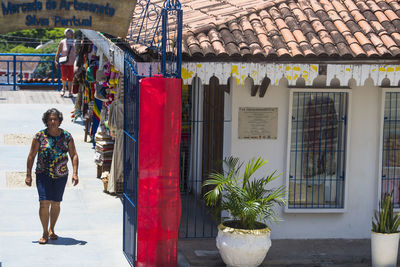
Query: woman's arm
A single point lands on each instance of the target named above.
(58, 53)
(75, 161)
(29, 163)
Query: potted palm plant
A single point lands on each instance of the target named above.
(385, 234)
(244, 239)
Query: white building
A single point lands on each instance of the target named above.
(311, 86)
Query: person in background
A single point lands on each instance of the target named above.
(52, 145)
(66, 48)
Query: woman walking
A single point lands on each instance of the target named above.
(65, 56)
(52, 146)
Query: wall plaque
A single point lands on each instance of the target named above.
(112, 17)
(258, 123)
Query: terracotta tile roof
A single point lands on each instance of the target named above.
(284, 29)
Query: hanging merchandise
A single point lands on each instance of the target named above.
(97, 106)
(101, 91)
(103, 152)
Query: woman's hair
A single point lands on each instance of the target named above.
(68, 30)
(52, 111)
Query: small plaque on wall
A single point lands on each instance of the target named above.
(258, 123)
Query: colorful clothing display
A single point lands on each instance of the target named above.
(53, 153)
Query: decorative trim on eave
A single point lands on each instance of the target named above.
(303, 74)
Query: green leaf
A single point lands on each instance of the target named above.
(246, 198)
(385, 220)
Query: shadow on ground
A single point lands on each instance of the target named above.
(65, 241)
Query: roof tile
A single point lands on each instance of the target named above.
(350, 38)
(299, 36)
(325, 37)
(357, 50)
(318, 26)
(365, 26)
(389, 43)
(331, 50)
(292, 23)
(341, 26)
(351, 6)
(337, 37)
(330, 26)
(370, 50)
(389, 27)
(381, 16)
(307, 49)
(396, 37)
(281, 24)
(344, 50)
(353, 26)
(362, 39)
(291, 28)
(357, 15)
(288, 36)
(306, 27)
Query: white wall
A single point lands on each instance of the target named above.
(363, 160)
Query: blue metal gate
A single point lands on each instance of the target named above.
(131, 138)
(150, 22)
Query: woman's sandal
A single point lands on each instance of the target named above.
(53, 237)
(43, 240)
(62, 93)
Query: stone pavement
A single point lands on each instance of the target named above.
(324, 253)
(90, 223)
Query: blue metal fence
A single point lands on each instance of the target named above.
(152, 28)
(318, 150)
(40, 69)
(131, 138)
(390, 176)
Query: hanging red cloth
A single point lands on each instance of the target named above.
(159, 204)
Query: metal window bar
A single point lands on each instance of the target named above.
(318, 150)
(390, 176)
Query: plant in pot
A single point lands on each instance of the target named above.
(385, 234)
(244, 240)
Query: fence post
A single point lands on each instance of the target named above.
(164, 14)
(15, 72)
(179, 44)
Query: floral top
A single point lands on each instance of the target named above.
(53, 153)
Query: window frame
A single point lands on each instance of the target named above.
(381, 135)
(347, 147)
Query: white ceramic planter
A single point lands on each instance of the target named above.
(243, 248)
(384, 248)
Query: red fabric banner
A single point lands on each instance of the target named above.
(159, 204)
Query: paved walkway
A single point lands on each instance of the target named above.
(90, 223)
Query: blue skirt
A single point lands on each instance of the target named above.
(49, 188)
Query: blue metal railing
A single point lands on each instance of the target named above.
(390, 176)
(318, 150)
(40, 72)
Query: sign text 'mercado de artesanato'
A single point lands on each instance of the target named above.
(109, 16)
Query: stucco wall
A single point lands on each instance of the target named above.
(363, 160)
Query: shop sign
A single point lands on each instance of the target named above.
(112, 17)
